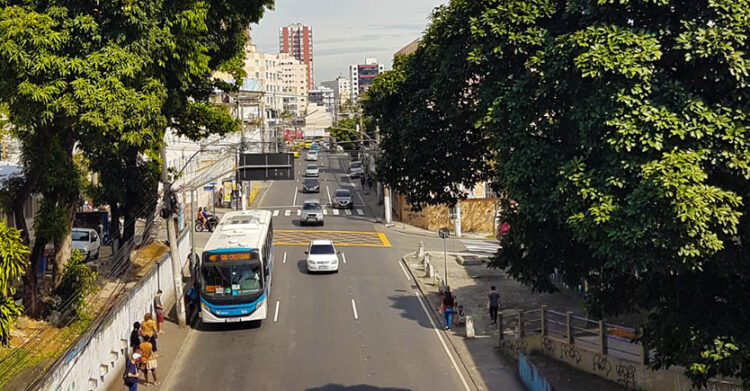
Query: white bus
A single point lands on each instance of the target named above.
(234, 274)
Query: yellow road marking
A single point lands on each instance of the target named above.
(340, 238)
(384, 239)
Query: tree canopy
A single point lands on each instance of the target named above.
(617, 134)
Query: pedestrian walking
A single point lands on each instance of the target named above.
(448, 303)
(148, 330)
(148, 361)
(130, 377)
(159, 309)
(135, 336)
(494, 299)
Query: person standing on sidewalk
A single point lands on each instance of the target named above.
(159, 309)
(494, 298)
(130, 377)
(448, 303)
(135, 336)
(148, 330)
(148, 361)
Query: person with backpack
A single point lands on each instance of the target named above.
(130, 377)
(448, 303)
(494, 299)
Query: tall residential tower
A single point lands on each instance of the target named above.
(297, 40)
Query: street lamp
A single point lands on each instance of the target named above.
(444, 233)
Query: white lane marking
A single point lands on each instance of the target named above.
(294, 201)
(335, 212)
(276, 313)
(299, 212)
(348, 212)
(287, 213)
(360, 212)
(275, 213)
(360, 198)
(284, 257)
(354, 308)
(343, 256)
(408, 277)
(442, 341)
(325, 212)
(329, 195)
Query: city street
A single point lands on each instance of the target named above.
(365, 327)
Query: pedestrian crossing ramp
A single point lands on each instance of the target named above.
(485, 247)
(300, 237)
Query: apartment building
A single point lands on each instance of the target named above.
(362, 75)
(297, 40)
(342, 89)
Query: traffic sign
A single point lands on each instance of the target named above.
(444, 233)
(208, 187)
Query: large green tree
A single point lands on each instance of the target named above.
(12, 265)
(108, 78)
(618, 134)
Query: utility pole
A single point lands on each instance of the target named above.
(172, 237)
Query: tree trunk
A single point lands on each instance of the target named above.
(31, 282)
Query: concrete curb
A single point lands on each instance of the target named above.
(433, 311)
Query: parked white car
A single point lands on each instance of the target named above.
(322, 257)
(86, 241)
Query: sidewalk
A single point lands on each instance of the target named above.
(412, 230)
(169, 344)
(470, 284)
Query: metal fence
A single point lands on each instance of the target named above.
(596, 335)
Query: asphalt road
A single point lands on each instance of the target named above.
(363, 328)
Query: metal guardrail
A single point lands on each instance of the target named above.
(605, 338)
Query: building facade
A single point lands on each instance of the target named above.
(297, 40)
(362, 75)
(410, 48)
(342, 90)
(322, 96)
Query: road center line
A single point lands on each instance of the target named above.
(276, 313)
(294, 201)
(442, 341)
(343, 256)
(354, 308)
(284, 257)
(329, 195)
(400, 264)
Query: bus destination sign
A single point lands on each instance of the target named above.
(244, 256)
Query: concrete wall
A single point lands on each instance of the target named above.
(628, 373)
(98, 357)
(531, 377)
(477, 215)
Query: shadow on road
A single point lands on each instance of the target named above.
(223, 327)
(359, 387)
(410, 309)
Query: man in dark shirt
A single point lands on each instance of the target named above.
(494, 298)
(135, 338)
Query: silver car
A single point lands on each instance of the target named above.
(312, 213)
(342, 198)
(312, 170)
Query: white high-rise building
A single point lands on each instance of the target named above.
(361, 76)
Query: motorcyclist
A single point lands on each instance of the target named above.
(202, 217)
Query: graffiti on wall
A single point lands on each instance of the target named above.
(601, 364)
(514, 346)
(626, 374)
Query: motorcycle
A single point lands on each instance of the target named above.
(211, 223)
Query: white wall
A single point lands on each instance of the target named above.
(98, 357)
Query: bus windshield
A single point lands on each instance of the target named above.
(231, 279)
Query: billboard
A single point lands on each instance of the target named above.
(266, 166)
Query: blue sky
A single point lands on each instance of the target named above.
(347, 31)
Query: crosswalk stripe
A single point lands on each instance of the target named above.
(299, 212)
(335, 212)
(275, 213)
(480, 246)
(360, 212)
(287, 213)
(348, 212)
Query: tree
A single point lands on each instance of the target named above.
(109, 78)
(617, 135)
(12, 265)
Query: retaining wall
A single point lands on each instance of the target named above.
(628, 373)
(98, 357)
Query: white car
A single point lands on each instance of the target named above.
(322, 256)
(86, 241)
(356, 169)
(312, 170)
(312, 155)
